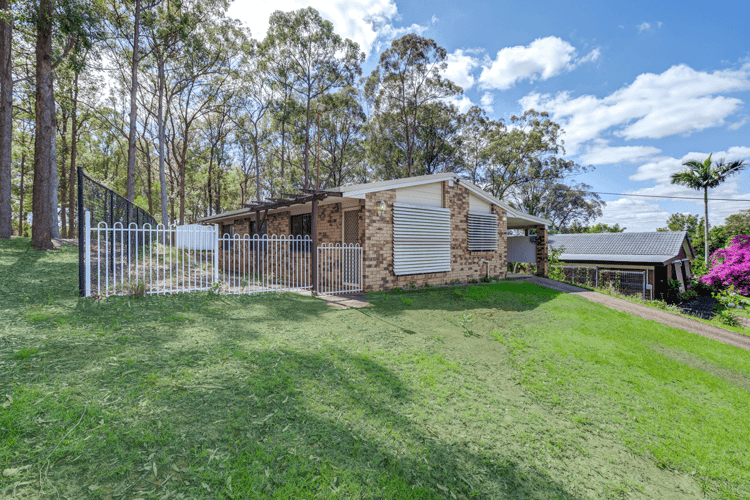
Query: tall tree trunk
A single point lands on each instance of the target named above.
(307, 145)
(73, 158)
(210, 168)
(22, 189)
(133, 104)
(54, 182)
(64, 176)
(705, 202)
(6, 121)
(183, 173)
(160, 122)
(44, 158)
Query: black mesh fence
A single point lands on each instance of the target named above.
(108, 207)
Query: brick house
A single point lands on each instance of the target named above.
(428, 229)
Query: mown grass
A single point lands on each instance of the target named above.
(659, 304)
(280, 396)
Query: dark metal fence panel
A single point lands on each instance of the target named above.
(108, 207)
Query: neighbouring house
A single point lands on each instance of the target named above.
(429, 229)
(647, 260)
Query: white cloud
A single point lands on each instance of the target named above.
(541, 59)
(661, 169)
(462, 102)
(679, 101)
(603, 154)
(486, 101)
(634, 214)
(644, 26)
(460, 67)
(364, 21)
(739, 124)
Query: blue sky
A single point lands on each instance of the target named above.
(639, 86)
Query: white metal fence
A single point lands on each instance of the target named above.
(626, 282)
(147, 260)
(339, 268)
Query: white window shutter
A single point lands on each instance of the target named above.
(482, 231)
(421, 239)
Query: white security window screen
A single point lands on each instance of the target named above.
(482, 231)
(421, 239)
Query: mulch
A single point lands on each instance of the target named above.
(702, 307)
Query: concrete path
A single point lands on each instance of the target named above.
(666, 318)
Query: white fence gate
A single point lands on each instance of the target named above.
(147, 260)
(339, 268)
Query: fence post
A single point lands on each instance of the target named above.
(596, 277)
(87, 250)
(81, 256)
(643, 275)
(217, 227)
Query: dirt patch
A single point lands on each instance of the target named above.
(735, 378)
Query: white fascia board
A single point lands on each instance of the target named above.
(510, 210)
(363, 189)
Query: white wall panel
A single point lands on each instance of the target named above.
(478, 205)
(427, 195)
(421, 239)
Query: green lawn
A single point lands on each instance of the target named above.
(491, 391)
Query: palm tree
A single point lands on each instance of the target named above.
(705, 175)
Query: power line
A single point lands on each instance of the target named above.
(671, 197)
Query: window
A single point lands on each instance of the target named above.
(351, 226)
(421, 239)
(482, 232)
(263, 228)
(301, 225)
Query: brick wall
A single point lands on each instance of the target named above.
(542, 255)
(465, 265)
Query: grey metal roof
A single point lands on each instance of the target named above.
(619, 247)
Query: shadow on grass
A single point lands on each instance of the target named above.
(504, 296)
(275, 423)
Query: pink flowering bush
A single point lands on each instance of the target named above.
(731, 266)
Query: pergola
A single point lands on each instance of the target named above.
(312, 196)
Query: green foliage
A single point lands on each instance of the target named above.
(407, 302)
(25, 353)
(597, 228)
(688, 295)
(555, 270)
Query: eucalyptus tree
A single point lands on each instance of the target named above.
(340, 132)
(302, 49)
(528, 151)
(72, 24)
(405, 81)
(565, 205)
(169, 27)
(706, 175)
(473, 131)
(437, 143)
(209, 61)
(6, 116)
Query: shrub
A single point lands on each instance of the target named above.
(688, 295)
(729, 299)
(701, 288)
(731, 266)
